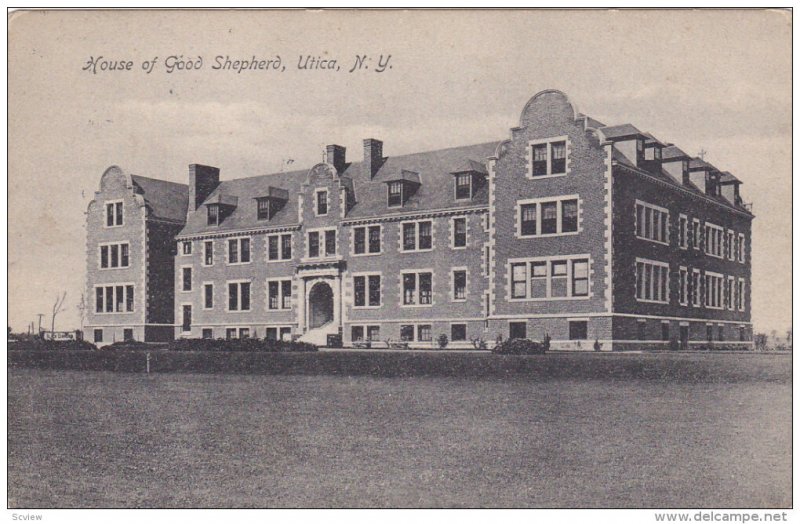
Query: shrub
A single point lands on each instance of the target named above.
(240, 344)
(51, 345)
(442, 340)
(479, 343)
(521, 346)
(127, 344)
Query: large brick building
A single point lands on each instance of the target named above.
(570, 228)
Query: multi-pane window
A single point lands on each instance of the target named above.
(550, 278)
(460, 284)
(417, 288)
(238, 296)
(458, 332)
(372, 333)
(713, 236)
(549, 158)
(740, 248)
(463, 186)
(424, 332)
(730, 238)
(683, 231)
(263, 209)
(284, 333)
(367, 290)
(186, 247)
(460, 232)
(407, 333)
(694, 288)
(695, 236)
(238, 251)
(213, 214)
(730, 290)
(208, 296)
(548, 217)
(395, 197)
(652, 281)
(652, 222)
(417, 236)
(186, 279)
(366, 239)
(114, 255)
(713, 288)
(114, 298)
(322, 243)
(740, 295)
(208, 253)
(279, 247)
(279, 294)
(683, 286)
(322, 203)
(114, 214)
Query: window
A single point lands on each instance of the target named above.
(695, 238)
(463, 186)
(740, 295)
(279, 247)
(98, 335)
(127, 334)
(720, 332)
(652, 281)
(239, 296)
(460, 284)
(322, 202)
(713, 237)
(186, 324)
(114, 298)
(694, 288)
(713, 288)
(730, 238)
(742, 333)
(652, 222)
(231, 333)
(366, 239)
(326, 249)
(557, 216)
(208, 253)
(372, 333)
(683, 286)
(517, 330)
(730, 293)
(213, 214)
(186, 247)
(487, 260)
(395, 197)
(114, 255)
(709, 332)
(407, 333)
(207, 333)
(239, 251)
(548, 157)
(424, 333)
(208, 296)
(313, 244)
(367, 290)
(330, 243)
(458, 332)
(114, 214)
(279, 294)
(417, 288)
(459, 232)
(357, 333)
(186, 279)
(683, 232)
(664, 330)
(740, 248)
(417, 236)
(272, 333)
(549, 278)
(263, 211)
(578, 330)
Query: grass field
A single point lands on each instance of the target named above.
(687, 430)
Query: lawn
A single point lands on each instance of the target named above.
(687, 430)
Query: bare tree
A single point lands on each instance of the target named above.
(59, 303)
(82, 309)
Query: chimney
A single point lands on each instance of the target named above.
(373, 155)
(202, 181)
(334, 155)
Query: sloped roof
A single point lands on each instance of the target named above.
(672, 151)
(620, 131)
(727, 177)
(167, 200)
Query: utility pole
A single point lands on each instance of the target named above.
(40, 315)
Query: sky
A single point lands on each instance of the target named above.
(717, 81)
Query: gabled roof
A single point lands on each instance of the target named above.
(672, 152)
(699, 163)
(167, 200)
(727, 177)
(652, 140)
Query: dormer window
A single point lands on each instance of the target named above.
(264, 211)
(272, 202)
(463, 186)
(652, 152)
(213, 214)
(395, 194)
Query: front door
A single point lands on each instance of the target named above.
(320, 303)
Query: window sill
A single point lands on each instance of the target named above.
(278, 260)
(531, 176)
(112, 268)
(458, 248)
(366, 254)
(547, 299)
(236, 263)
(416, 250)
(237, 311)
(645, 301)
(411, 306)
(367, 307)
(548, 235)
(653, 241)
(279, 309)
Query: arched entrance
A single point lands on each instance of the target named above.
(320, 305)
